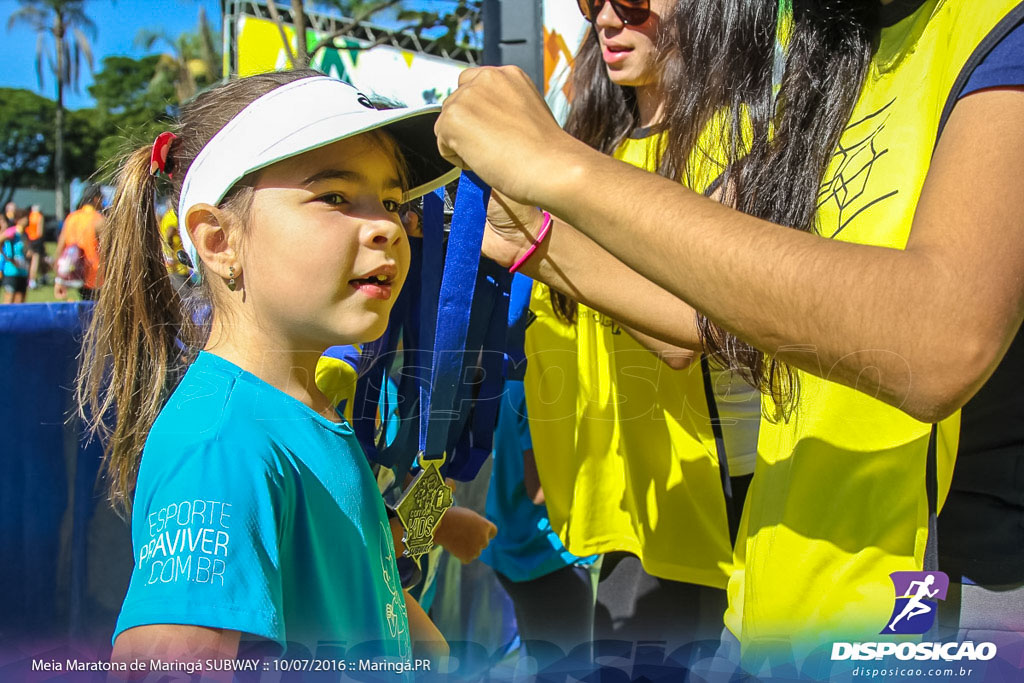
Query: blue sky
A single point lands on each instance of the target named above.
(117, 23)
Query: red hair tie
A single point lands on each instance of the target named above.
(158, 157)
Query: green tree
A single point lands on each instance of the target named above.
(26, 151)
(66, 23)
(27, 146)
(133, 106)
(125, 84)
(192, 63)
(83, 135)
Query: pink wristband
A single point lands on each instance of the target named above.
(533, 247)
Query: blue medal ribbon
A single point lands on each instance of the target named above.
(455, 302)
(438, 372)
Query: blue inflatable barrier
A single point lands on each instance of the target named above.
(65, 557)
(48, 491)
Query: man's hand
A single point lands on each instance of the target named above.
(498, 125)
(464, 533)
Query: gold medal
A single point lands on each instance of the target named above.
(421, 508)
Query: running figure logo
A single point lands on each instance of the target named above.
(917, 595)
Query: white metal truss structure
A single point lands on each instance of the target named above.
(342, 27)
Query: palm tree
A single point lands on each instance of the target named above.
(57, 18)
(192, 63)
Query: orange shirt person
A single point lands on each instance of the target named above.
(36, 243)
(82, 228)
(35, 224)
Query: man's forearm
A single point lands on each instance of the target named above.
(869, 317)
(761, 281)
(943, 312)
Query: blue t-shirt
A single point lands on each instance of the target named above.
(526, 547)
(980, 527)
(256, 514)
(1002, 67)
(14, 253)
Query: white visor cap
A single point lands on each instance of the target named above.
(301, 116)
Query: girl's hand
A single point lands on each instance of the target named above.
(511, 229)
(60, 292)
(427, 640)
(397, 535)
(464, 533)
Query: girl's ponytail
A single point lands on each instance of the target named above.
(140, 336)
(143, 335)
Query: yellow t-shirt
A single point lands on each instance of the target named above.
(337, 380)
(838, 499)
(171, 243)
(624, 444)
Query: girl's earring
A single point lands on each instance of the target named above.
(231, 278)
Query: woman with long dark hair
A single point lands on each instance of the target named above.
(863, 266)
(644, 451)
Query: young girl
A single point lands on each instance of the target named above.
(15, 247)
(254, 513)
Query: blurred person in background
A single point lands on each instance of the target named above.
(14, 246)
(36, 244)
(81, 229)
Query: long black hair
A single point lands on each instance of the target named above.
(759, 102)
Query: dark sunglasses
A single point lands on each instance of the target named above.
(632, 12)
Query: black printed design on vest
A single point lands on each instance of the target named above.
(604, 321)
(858, 151)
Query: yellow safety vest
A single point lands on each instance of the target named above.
(624, 444)
(839, 499)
